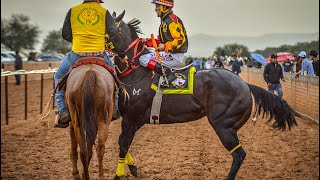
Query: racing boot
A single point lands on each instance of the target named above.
(153, 65)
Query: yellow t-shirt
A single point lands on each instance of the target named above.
(88, 27)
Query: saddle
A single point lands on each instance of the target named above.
(83, 61)
(180, 80)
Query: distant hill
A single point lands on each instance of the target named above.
(204, 45)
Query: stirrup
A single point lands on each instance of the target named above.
(164, 85)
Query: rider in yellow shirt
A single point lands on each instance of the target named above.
(87, 26)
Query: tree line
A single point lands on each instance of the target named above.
(18, 33)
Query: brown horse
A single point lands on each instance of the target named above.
(89, 97)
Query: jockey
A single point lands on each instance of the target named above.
(172, 40)
(87, 27)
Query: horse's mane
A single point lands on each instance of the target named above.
(134, 28)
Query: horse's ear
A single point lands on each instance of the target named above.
(120, 17)
(114, 15)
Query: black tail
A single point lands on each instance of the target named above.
(273, 108)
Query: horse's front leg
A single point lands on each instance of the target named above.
(129, 128)
(74, 154)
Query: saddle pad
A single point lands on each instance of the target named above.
(182, 83)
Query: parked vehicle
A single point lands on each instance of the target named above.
(12, 53)
(7, 57)
(50, 57)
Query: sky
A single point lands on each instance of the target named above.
(212, 17)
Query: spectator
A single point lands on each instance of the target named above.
(208, 64)
(298, 65)
(272, 75)
(189, 60)
(236, 66)
(315, 61)
(241, 62)
(218, 63)
(18, 66)
(287, 66)
(249, 63)
(32, 56)
(306, 65)
(197, 64)
(257, 65)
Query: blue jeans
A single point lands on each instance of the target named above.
(64, 67)
(276, 87)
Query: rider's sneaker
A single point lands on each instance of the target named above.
(63, 119)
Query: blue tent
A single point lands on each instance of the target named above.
(259, 58)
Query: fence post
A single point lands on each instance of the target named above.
(6, 94)
(41, 94)
(54, 97)
(25, 97)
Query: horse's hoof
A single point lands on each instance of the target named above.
(133, 170)
(77, 177)
(116, 178)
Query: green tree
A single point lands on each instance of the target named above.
(55, 43)
(229, 49)
(17, 33)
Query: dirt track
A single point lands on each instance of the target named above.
(180, 151)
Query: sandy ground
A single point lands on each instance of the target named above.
(32, 150)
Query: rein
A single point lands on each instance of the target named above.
(136, 54)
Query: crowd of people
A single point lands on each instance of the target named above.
(304, 64)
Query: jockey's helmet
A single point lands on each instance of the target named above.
(168, 3)
(99, 1)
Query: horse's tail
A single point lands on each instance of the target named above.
(88, 122)
(273, 107)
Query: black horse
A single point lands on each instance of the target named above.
(219, 94)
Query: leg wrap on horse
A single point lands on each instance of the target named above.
(235, 148)
(129, 159)
(120, 169)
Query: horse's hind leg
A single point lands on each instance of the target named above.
(74, 154)
(102, 138)
(226, 129)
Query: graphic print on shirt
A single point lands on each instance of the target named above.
(89, 16)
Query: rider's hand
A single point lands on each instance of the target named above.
(161, 47)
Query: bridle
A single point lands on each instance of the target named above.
(135, 45)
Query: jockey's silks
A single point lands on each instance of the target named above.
(88, 27)
(173, 34)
